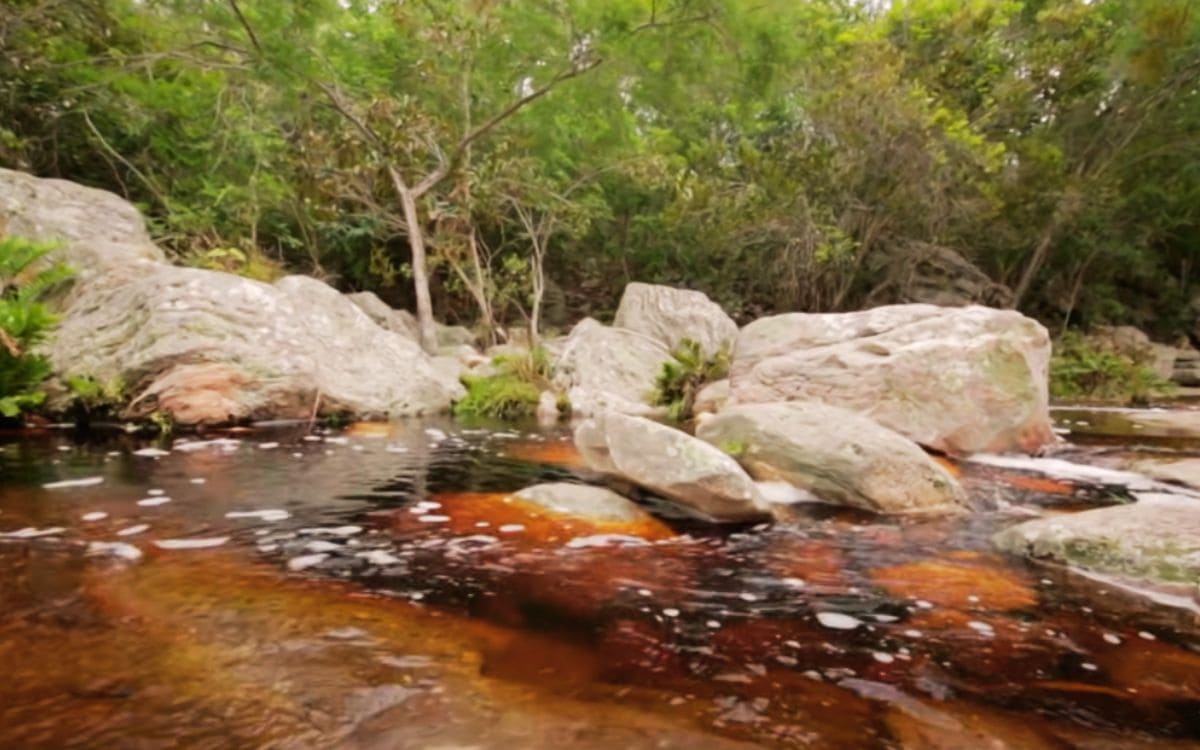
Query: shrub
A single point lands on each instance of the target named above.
(510, 391)
(1081, 371)
(24, 322)
(682, 377)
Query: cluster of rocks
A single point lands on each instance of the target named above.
(840, 407)
(834, 406)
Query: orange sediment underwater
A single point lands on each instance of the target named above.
(956, 584)
(524, 523)
(554, 452)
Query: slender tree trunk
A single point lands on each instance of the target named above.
(416, 243)
(539, 291)
(1040, 253)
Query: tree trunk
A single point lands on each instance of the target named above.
(1040, 253)
(416, 243)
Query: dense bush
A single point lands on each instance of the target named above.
(24, 321)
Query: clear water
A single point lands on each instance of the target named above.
(404, 603)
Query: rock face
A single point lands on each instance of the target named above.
(99, 232)
(204, 346)
(670, 315)
(210, 347)
(837, 455)
(936, 275)
(1153, 543)
(961, 380)
(672, 464)
(608, 369)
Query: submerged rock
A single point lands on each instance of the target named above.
(670, 315)
(1152, 545)
(609, 369)
(670, 463)
(956, 379)
(839, 456)
(583, 501)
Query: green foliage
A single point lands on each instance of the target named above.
(1080, 371)
(511, 391)
(25, 278)
(734, 448)
(683, 375)
(91, 398)
(778, 155)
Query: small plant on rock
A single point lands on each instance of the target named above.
(683, 375)
(92, 399)
(24, 322)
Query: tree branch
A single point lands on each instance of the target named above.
(237, 11)
(446, 166)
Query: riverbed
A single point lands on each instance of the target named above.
(371, 587)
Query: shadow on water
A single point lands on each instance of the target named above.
(379, 589)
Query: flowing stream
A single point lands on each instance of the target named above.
(372, 588)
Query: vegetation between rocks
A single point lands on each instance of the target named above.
(511, 390)
(683, 375)
(1081, 371)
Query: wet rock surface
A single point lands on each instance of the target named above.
(1153, 543)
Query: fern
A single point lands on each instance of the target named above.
(24, 321)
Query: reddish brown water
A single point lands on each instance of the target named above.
(452, 617)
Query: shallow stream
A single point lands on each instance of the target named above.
(373, 588)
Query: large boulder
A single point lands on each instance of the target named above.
(210, 347)
(205, 346)
(960, 380)
(672, 464)
(608, 369)
(96, 232)
(670, 315)
(839, 456)
(1153, 544)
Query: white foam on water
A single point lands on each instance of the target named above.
(180, 544)
(271, 514)
(68, 483)
(838, 621)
